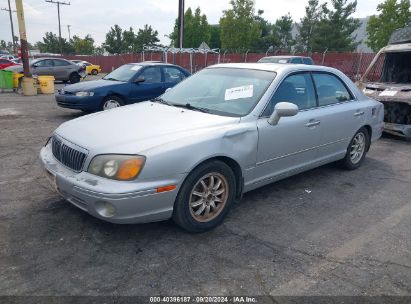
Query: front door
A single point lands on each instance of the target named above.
(291, 144)
(151, 87)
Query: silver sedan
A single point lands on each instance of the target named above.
(190, 154)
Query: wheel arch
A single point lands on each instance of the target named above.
(234, 166)
(369, 130)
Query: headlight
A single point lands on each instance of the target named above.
(83, 94)
(118, 167)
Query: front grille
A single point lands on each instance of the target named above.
(66, 155)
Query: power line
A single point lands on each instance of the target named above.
(58, 13)
(11, 24)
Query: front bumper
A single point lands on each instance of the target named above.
(133, 202)
(71, 101)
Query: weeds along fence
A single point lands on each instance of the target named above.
(352, 64)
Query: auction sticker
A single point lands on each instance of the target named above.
(239, 92)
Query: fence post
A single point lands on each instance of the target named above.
(357, 77)
(325, 52)
(245, 57)
(219, 55)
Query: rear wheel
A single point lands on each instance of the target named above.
(356, 150)
(205, 197)
(112, 102)
(74, 78)
(94, 72)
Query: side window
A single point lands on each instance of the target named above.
(151, 75)
(60, 63)
(307, 60)
(296, 60)
(173, 74)
(297, 89)
(45, 63)
(330, 89)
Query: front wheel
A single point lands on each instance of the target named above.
(205, 197)
(94, 72)
(356, 150)
(74, 78)
(111, 102)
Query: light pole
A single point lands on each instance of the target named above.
(180, 23)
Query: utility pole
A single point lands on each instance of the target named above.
(23, 38)
(181, 23)
(12, 27)
(58, 13)
(68, 27)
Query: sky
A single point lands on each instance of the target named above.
(95, 17)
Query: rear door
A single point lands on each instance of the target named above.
(153, 85)
(339, 112)
(292, 143)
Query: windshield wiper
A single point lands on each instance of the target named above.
(191, 107)
(160, 100)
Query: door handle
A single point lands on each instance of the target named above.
(312, 123)
(359, 113)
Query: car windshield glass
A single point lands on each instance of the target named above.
(123, 73)
(221, 91)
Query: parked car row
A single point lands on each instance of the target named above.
(191, 152)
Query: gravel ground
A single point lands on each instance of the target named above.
(323, 232)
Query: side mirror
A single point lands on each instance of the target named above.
(34, 65)
(282, 109)
(139, 80)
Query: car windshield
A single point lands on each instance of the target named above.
(123, 73)
(273, 60)
(221, 91)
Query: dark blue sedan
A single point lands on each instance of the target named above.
(128, 84)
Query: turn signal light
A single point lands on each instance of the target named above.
(166, 188)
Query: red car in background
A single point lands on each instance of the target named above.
(5, 63)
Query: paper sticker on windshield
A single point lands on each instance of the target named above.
(282, 61)
(136, 68)
(389, 93)
(239, 92)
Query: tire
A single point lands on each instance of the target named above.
(204, 185)
(74, 78)
(357, 150)
(94, 72)
(111, 102)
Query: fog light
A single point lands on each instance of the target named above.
(105, 209)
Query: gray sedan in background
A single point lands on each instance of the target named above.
(61, 69)
(191, 153)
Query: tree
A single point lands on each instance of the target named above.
(282, 31)
(266, 39)
(215, 37)
(336, 27)
(239, 29)
(51, 44)
(129, 43)
(196, 29)
(83, 46)
(307, 26)
(393, 15)
(114, 40)
(146, 36)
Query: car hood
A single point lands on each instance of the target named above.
(139, 127)
(90, 85)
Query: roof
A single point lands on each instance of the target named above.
(275, 67)
(147, 63)
(288, 56)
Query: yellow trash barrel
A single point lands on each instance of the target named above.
(29, 88)
(16, 78)
(46, 84)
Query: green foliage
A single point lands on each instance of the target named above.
(215, 37)
(51, 44)
(127, 41)
(83, 46)
(335, 28)
(282, 33)
(239, 29)
(266, 39)
(196, 30)
(393, 14)
(114, 40)
(307, 27)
